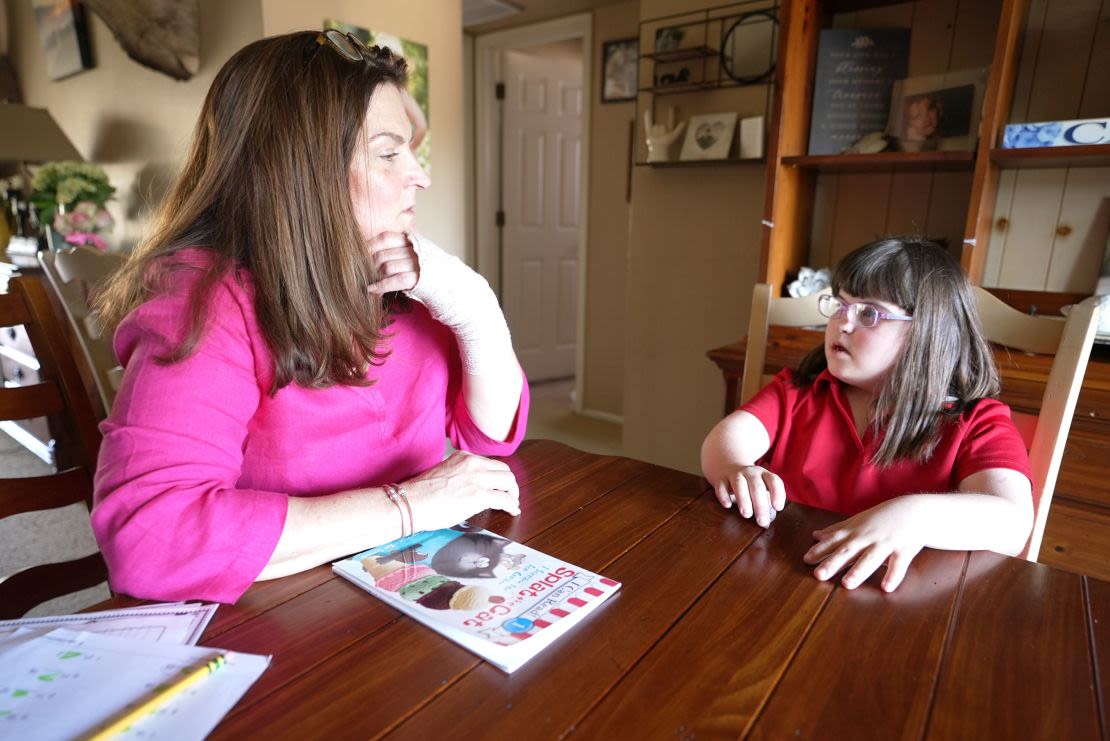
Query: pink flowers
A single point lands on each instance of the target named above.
(83, 224)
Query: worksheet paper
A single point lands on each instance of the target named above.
(66, 684)
(175, 622)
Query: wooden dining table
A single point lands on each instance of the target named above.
(719, 631)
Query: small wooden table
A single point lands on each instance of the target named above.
(719, 630)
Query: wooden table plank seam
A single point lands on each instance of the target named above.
(947, 644)
(785, 668)
(1096, 678)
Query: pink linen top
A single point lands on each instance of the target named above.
(198, 458)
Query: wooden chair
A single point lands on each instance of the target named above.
(74, 274)
(1045, 430)
(1044, 422)
(767, 311)
(60, 396)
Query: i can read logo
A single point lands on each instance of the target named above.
(1088, 132)
(518, 625)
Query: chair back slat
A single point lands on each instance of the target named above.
(62, 398)
(13, 311)
(34, 585)
(768, 311)
(27, 402)
(35, 493)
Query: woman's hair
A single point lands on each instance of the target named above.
(946, 363)
(265, 187)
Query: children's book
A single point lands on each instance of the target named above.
(502, 600)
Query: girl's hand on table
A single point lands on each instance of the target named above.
(396, 261)
(755, 490)
(886, 533)
(460, 487)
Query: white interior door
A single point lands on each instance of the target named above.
(542, 128)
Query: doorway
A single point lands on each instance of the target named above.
(531, 147)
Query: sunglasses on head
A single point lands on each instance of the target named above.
(349, 46)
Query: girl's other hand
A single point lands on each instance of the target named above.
(886, 533)
(755, 490)
(460, 487)
(396, 261)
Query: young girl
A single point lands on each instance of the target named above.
(889, 421)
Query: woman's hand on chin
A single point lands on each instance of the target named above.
(396, 262)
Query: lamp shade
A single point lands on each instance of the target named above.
(31, 135)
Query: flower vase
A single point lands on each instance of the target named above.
(55, 242)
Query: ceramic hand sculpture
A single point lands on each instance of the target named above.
(660, 137)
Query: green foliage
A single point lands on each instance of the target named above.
(66, 183)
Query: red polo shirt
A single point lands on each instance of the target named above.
(817, 452)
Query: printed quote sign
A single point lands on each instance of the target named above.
(856, 70)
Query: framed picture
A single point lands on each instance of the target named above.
(619, 70)
(937, 112)
(708, 137)
(65, 40)
(669, 38)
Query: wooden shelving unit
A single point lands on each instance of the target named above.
(1084, 155)
(1078, 533)
(708, 26)
(883, 161)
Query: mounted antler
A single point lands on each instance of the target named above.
(161, 34)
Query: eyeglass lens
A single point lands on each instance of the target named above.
(864, 315)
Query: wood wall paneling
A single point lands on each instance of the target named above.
(1067, 36)
(909, 203)
(934, 22)
(1096, 91)
(948, 208)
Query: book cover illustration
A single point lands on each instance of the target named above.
(498, 598)
(856, 71)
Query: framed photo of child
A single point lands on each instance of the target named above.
(619, 70)
(937, 112)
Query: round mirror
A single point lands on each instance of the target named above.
(748, 51)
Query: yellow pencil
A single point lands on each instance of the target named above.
(162, 694)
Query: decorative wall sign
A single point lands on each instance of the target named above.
(856, 70)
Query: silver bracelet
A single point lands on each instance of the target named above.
(394, 494)
(397, 495)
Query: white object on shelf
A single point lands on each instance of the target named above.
(751, 137)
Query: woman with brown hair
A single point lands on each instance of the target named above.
(294, 352)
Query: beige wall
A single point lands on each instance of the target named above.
(694, 251)
(133, 120)
(438, 24)
(607, 254)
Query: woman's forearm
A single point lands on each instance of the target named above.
(322, 529)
